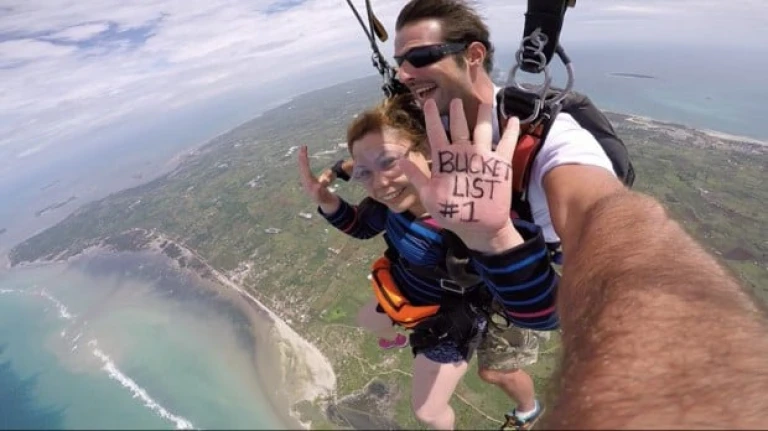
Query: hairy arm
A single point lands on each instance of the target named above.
(656, 334)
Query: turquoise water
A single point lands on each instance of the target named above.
(97, 347)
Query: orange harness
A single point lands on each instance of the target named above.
(392, 300)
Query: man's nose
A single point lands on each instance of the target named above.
(404, 72)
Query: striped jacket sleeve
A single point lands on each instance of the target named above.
(364, 220)
(523, 280)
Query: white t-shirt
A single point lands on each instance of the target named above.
(567, 143)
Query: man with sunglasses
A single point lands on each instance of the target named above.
(443, 52)
(632, 309)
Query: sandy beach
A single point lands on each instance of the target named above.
(306, 374)
(655, 123)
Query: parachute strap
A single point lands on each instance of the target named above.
(544, 17)
(527, 147)
(541, 41)
(375, 29)
(456, 262)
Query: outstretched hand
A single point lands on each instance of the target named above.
(470, 189)
(317, 187)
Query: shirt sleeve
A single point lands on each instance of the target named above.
(364, 220)
(523, 280)
(566, 144)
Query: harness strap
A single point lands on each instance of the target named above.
(528, 146)
(457, 259)
(547, 16)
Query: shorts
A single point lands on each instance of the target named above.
(443, 353)
(505, 349)
(448, 351)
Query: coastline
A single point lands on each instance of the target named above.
(305, 374)
(656, 123)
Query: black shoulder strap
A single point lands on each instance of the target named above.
(457, 259)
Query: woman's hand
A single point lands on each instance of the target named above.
(470, 189)
(317, 187)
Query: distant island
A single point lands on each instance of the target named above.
(52, 207)
(257, 235)
(632, 75)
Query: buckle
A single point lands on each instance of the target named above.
(452, 286)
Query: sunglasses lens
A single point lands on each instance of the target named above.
(425, 55)
(421, 57)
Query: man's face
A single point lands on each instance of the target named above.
(442, 80)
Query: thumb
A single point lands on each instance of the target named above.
(414, 174)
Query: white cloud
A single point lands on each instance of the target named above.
(80, 32)
(70, 66)
(30, 49)
(29, 152)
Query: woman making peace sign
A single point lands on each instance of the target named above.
(426, 194)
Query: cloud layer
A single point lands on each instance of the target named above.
(70, 67)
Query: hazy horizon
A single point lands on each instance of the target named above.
(100, 97)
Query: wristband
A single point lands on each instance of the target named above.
(339, 171)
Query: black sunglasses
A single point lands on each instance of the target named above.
(421, 56)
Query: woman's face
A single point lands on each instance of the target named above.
(376, 158)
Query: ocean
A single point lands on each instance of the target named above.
(124, 341)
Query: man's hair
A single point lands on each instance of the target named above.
(459, 21)
(399, 113)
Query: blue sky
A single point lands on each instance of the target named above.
(72, 70)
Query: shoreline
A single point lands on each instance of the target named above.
(306, 374)
(655, 123)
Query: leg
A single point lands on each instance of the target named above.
(433, 384)
(377, 323)
(501, 355)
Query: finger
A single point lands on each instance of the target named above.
(483, 135)
(307, 179)
(435, 129)
(414, 174)
(326, 177)
(458, 121)
(508, 141)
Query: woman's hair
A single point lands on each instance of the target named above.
(399, 113)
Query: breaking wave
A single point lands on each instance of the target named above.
(108, 365)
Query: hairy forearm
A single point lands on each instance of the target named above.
(656, 334)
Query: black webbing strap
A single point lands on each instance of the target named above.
(547, 15)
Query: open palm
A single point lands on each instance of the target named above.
(470, 189)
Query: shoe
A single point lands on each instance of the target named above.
(400, 341)
(514, 423)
